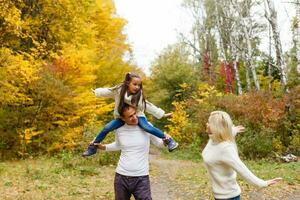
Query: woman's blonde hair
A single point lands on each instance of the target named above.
(220, 125)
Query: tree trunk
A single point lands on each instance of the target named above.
(243, 11)
(248, 81)
(298, 35)
(233, 41)
(237, 76)
(249, 55)
(223, 53)
(270, 60)
(272, 18)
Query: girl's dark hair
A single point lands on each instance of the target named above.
(135, 97)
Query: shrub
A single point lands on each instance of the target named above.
(272, 124)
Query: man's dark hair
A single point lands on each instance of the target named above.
(124, 108)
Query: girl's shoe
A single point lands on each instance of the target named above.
(91, 150)
(170, 142)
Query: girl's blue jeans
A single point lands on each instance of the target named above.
(117, 123)
(233, 198)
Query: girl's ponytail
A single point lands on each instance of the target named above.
(127, 77)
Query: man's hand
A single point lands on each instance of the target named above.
(101, 146)
(168, 114)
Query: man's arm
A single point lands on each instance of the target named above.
(109, 147)
(156, 141)
(114, 146)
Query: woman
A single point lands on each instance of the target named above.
(222, 160)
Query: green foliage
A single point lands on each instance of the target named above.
(172, 77)
(291, 124)
(254, 144)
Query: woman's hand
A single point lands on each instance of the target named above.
(240, 129)
(168, 114)
(273, 181)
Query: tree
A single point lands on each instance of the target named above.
(296, 33)
(53, 53)
(172, 76)
(202, 43)
(271, 15)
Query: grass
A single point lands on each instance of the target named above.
(265, 169)
(196, 176)
(191, 153)
(70, 176)
(63, 177)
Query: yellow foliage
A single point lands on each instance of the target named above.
(205, 91)
(27, 135)
(179, 122)
(16, 76)
(276, 87)
(52, 54)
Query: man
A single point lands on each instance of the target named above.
(132, 172)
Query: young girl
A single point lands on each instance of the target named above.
(130, 92)
(222, 160)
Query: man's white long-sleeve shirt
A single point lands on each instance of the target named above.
(134, 144)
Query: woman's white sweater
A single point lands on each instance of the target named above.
(222, 162)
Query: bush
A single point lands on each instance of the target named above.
(272, 124)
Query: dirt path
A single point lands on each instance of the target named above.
(170, 179)
(181, 180)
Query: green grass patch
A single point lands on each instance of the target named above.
(184, 153)
(65, 176)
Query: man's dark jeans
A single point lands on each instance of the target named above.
(138, 186)
(233, 198)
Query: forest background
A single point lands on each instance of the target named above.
(53, 52)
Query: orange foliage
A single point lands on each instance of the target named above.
(256, 108)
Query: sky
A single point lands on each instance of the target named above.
(152, 25)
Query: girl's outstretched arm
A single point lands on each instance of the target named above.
(168, 114)
(154, 110)
(105, 92)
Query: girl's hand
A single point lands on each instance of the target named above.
(273, 181)
(168, 114)
(93, 91)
